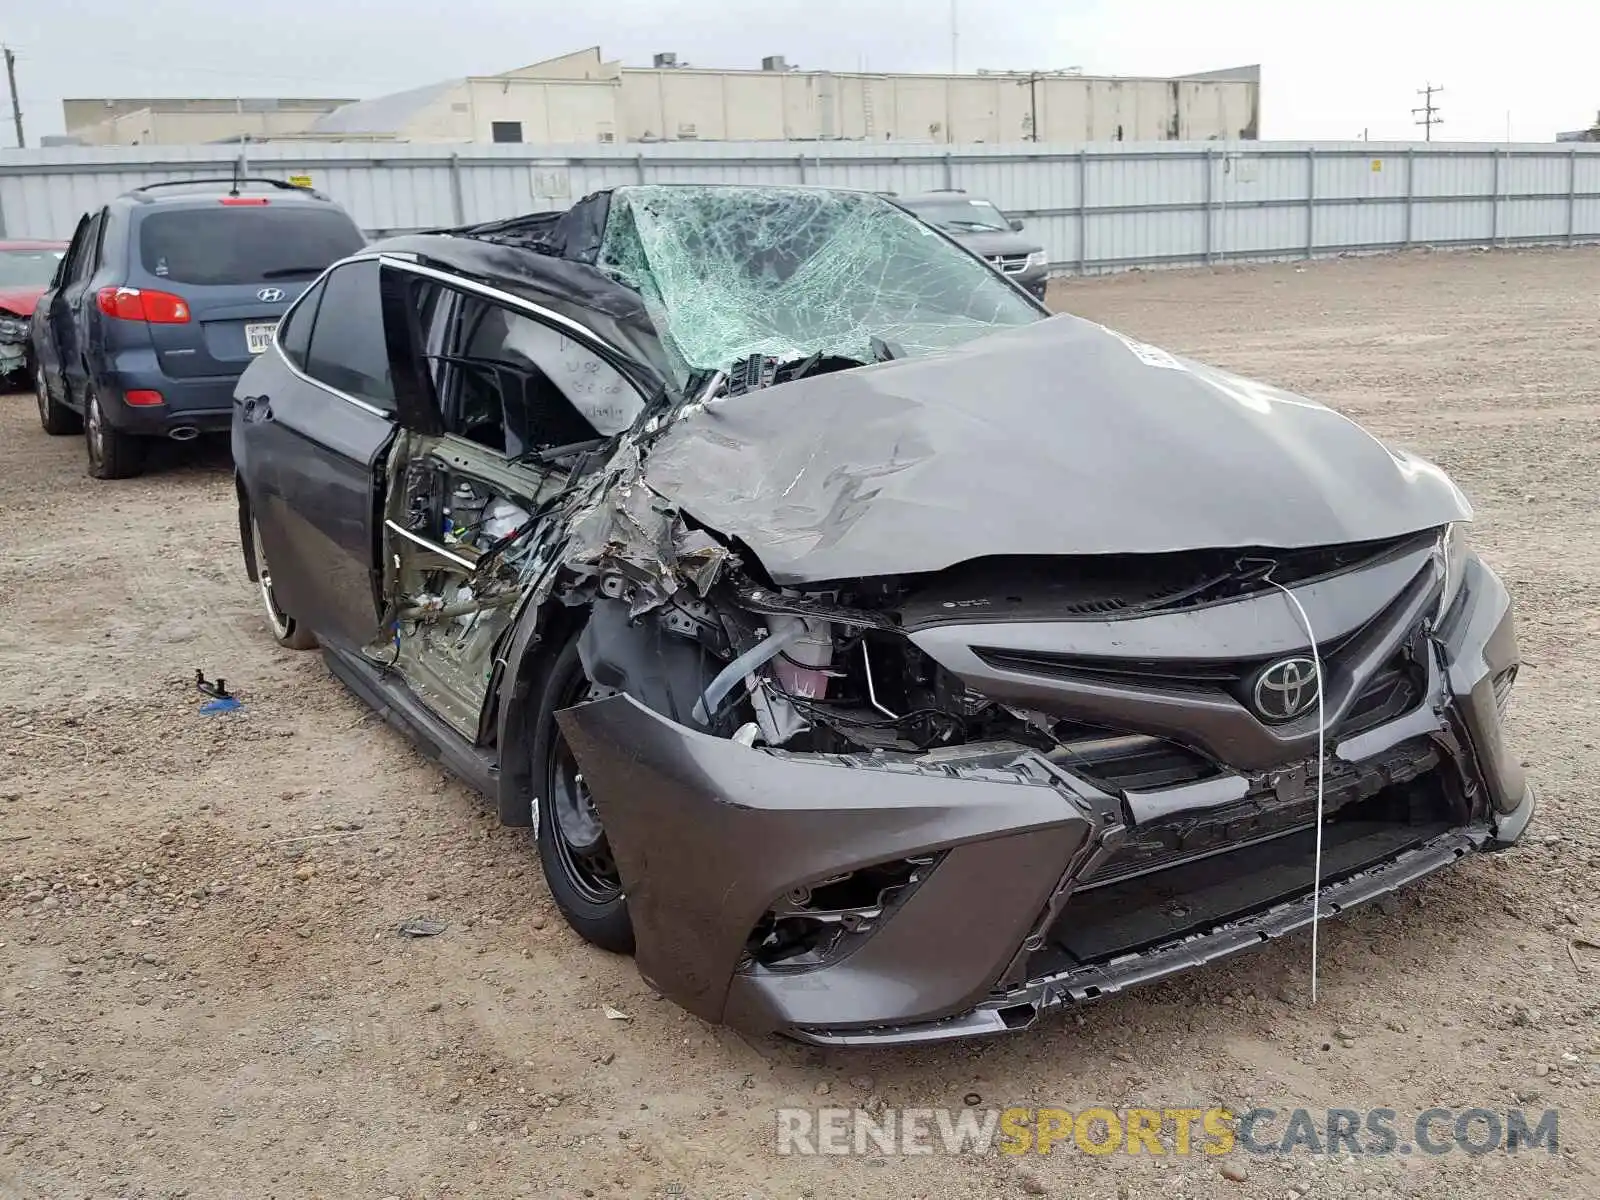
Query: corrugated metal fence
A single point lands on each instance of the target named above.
(1099, 207)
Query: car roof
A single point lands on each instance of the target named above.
(575, 289)
(199, 192)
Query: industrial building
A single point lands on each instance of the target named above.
(146, 122)
(1592, 134)
(582, 98)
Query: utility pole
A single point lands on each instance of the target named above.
(1031, 82)
(955, 39)
(16, 104)
(1428, 115)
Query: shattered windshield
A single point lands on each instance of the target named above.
(961, 216)
(731, 272)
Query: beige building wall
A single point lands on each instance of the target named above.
(582, 98)
(114, 122)
(548, 110)
(146, 127)
(684, 103)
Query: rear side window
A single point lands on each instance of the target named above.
(347, 348)
(244, 243)
(294, 331)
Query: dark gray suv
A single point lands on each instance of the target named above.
(163, 298)
(982, 228)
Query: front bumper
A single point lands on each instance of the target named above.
(13, 356)
(1035, 282)
(709, 835)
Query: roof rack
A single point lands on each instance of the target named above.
(233, 182)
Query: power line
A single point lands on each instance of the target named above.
(1428, 115)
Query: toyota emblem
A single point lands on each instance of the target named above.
(1285, 689)
(270, 295)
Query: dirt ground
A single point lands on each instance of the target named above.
(202, 992)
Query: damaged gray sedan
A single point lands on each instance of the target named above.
(879, 658)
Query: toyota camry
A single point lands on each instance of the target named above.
(878, 657)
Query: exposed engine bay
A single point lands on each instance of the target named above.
(832, 670)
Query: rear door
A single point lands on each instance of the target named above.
(312, 433)
(238, 262)
(67, 312)
(46, 342)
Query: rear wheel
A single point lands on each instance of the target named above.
(288, 632)
(57, 419)
(577, 860)
(113, 454)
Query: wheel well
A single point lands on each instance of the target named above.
(555, 624)
(247, 543)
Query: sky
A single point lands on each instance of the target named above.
(1329, 70)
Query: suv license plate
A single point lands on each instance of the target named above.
(257, 337)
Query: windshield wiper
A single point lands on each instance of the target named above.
(284, 272)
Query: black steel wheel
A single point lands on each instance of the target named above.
(576, 856)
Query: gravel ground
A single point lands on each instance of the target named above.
(202, 992)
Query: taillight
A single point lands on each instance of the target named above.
(143, 304)
(142, 397)
(251, 200)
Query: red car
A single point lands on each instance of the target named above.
(26, 269)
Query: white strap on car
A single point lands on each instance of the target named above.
(1322, 729)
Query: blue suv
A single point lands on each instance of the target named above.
(163, 298)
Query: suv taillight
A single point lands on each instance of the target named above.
(143, 304)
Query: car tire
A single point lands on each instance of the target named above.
(577, 862)
(56, 418)
(286, 631)
(113, 454)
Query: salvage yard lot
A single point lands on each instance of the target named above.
(202, 990)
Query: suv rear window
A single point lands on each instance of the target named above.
(244, 243)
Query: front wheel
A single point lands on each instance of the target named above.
(577, 860)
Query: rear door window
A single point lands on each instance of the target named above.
(294, 331)
(348, 350)
(244, 243)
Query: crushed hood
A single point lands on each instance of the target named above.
(1057, 438)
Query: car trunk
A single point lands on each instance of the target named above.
(228, 327)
